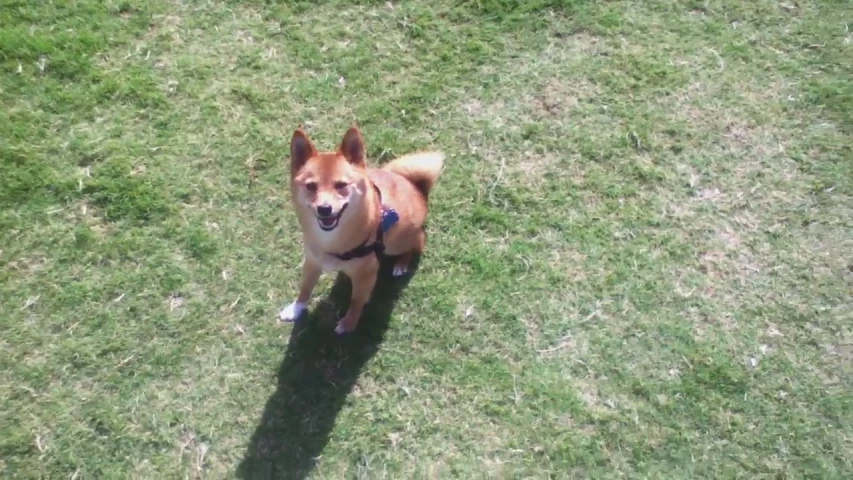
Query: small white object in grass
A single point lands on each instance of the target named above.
(30, 302)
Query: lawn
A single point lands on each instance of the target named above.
(640, 257)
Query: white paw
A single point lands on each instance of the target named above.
(399, 271)
(341, 327)
(292, 312)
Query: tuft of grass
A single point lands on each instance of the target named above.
(638, 262)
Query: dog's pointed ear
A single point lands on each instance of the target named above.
(301, 149)
(352, 147)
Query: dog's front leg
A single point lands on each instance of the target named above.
(310, 276)
(363, 280)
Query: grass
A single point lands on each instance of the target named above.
(639, 260)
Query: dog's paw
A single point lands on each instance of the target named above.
(399, 271)
(291, 312)
(344, 326)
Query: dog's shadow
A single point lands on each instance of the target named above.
(318, 371)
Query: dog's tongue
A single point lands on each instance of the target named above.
(327, 221)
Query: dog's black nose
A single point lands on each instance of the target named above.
(324, 211)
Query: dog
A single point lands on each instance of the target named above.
(350, 214)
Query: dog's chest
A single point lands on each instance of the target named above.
(327, 256)
(330, 263)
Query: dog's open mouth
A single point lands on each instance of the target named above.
(329, 223)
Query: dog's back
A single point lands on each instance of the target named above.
(405, 184)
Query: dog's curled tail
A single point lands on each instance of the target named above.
(422, 169)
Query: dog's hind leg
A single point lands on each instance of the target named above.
(403, 264)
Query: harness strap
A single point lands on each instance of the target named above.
(388, 217)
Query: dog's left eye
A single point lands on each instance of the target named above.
(341, 185)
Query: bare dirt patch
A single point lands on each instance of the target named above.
(555, 99)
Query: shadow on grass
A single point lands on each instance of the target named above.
(317, 373)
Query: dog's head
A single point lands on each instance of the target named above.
(328, 183)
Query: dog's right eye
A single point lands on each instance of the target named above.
(311, 186)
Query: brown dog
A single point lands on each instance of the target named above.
(350, 213)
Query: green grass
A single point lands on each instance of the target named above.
(639, 262)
